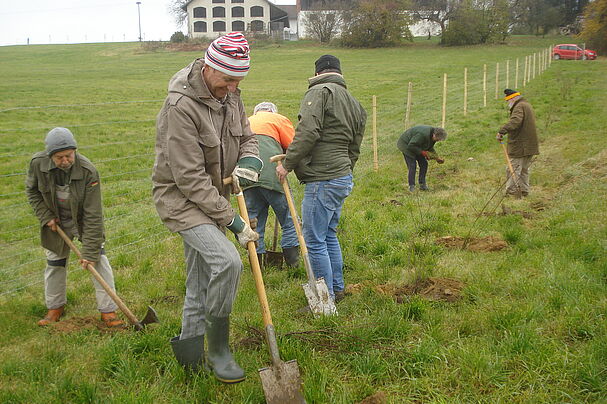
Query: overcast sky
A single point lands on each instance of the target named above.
(77, 21)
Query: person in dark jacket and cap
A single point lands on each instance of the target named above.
(417, 145)
(522, 142)
(323, 153)
(63, 188)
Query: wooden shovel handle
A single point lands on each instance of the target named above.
(101, 281)
(255, 267)
(302, 242)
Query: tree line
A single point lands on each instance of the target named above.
(374, 23)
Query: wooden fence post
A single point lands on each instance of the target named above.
(444, 100)
(516, 75)
(525, 73)
(534, 55)
(484, 85)
(465, 91)
(508, 73)
(497, 78)
(375, 159)
(550, 58)
(408, 110)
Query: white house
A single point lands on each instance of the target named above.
(213, 18)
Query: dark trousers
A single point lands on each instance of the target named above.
(412, 166)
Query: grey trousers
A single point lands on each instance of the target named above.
(55, 282)
(521, 169)
(213, 271)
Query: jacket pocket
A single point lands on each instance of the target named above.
(208, 139)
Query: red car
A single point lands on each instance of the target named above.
(572, 51)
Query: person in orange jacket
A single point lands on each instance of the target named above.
(274, 133)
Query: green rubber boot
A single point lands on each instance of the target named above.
(189, 352)
(220, 358)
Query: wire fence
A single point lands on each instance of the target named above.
(125, 164)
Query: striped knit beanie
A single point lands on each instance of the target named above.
(229, 54)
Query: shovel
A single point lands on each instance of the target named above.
(316, 290)
(519, 193)
(281, 382)
(150, 316)
(274, 257)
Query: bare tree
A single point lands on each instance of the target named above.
(437, 11)
(178, 11)
(324, 20)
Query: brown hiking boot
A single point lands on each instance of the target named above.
(111, 319)
(52, 316)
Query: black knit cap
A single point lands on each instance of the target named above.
(509, 92)
(327, 62)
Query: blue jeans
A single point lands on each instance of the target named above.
(258, 200)
(411, 165)
(321, 209)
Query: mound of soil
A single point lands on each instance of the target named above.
(75, 324)
(483, 244)
(166, 299)
(434, 289)
(377, 398)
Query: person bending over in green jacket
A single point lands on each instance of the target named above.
(63, 188)
(417, 146)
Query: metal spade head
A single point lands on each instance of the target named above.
(150, 317)
(319, 299)
(282, 383)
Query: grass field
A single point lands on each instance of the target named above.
(529, 327)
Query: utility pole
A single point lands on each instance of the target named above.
(139, 17)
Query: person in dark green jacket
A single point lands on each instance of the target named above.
(323, 154)
(63, 188)
(417, 145)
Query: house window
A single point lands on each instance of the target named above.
(238, 26)
(219, 26)
(200, 12)
(200, 26)
(237, 11)
(256, 25)
(219, 12)
(219, 1)
(256, 11)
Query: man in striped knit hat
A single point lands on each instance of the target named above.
(203, 136)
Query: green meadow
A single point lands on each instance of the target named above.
(528, 326)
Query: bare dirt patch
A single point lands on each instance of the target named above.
(483, 244)
(434, 289)
(377, 398)
(166, 299)
(76, 324)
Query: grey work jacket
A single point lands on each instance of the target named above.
(199, 141)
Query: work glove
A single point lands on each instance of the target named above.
(499, 137)
(425, 154)
(247, 170)
(242, 231)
